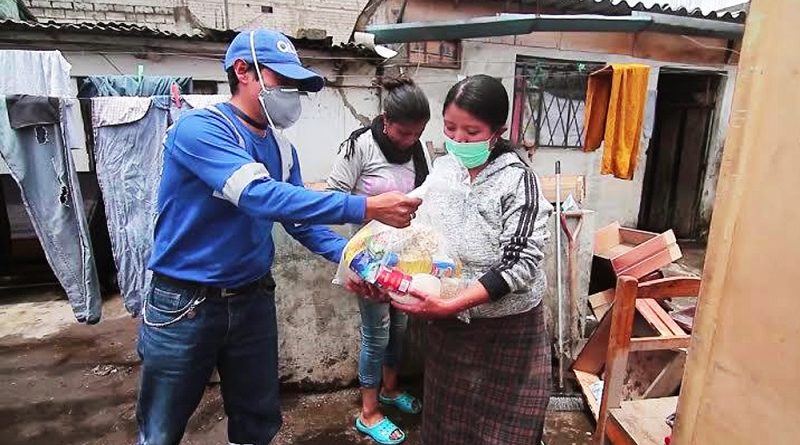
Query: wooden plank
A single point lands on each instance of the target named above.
(616, 434)
(644, 421)
(659, 343)
(675, 48)
(606, 238)
(539, 39)
(659, 311)
(635, 237)
(601, 302)
(651, 317)
(644, 251)
(669, 379)
(570, 185)
(672, 287)
(598, 42)
(592, 357)
(586, 380)
(743, 366)
(653, 263)
(619, 342)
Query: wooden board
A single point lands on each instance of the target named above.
(585, 380)
(601, 303)
(593, 355)
(657, 343)
(646, 251)
(669, 379)
(741, 383)
(635, 237)
(570, 185)
(606, 238)
(643, 422)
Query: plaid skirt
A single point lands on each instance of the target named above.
(487, 382)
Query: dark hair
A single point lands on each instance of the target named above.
(481, 96)
(486, 98)
(233, 80)
(405, 101)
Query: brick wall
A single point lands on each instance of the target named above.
(157, 14)
(337, 17)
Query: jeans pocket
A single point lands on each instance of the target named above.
(165, 307)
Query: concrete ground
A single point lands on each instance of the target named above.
(64, 383)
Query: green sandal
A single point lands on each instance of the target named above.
(381, 432)
(405, 402)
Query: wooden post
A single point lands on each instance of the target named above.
(742, 384)
(619, 342)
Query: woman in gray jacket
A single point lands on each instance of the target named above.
(487, 382)
(384, 156)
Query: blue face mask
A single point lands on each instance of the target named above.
(470, 154)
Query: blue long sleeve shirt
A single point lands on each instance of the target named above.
(222, 189)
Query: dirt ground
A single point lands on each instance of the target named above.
(64, 383)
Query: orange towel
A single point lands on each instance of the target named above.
(615, 101)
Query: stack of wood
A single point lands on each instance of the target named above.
(630, 300)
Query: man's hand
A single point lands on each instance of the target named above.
(394, 209)
(366, 290)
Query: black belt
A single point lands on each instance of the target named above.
(219, 292)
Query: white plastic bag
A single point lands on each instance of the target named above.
(417, 257)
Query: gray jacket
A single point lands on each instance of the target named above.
(497, 225)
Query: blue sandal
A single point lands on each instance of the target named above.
(405, 402)
(381, 432)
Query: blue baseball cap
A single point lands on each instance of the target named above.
(274, 51)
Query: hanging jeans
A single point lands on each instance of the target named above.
(36, 135)
(128, 148)
(128, 134)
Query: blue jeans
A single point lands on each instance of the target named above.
(36, 144)
(382, 331)
(184, 335)
(129, 157)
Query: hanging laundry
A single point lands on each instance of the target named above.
(192, 101)
(615, 105)
(36, 138)
(131, 86)
(128, 132)
(49, 78)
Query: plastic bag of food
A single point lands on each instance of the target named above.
(401, 260)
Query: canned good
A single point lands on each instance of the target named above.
(393, 280)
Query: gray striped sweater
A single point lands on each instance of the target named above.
(498, 227)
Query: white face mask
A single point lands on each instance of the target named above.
(283, 103)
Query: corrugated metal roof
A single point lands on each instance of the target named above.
(205, 35)
(625, 7)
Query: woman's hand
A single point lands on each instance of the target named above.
(366, 290)
(429, 306)
(432, 307)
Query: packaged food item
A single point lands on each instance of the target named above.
(394, 258)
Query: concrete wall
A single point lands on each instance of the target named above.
(288, 16)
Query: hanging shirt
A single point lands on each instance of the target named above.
(223, 187)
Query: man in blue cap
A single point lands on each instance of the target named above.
(228, 175)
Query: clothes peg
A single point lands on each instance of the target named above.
(176, 95)
(140, 73)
